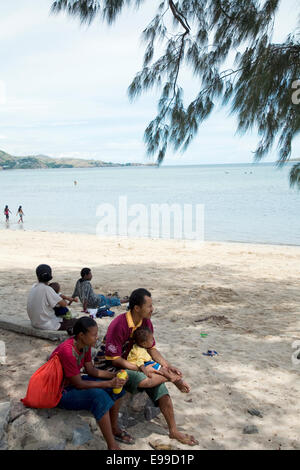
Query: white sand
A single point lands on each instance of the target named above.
(254, 286)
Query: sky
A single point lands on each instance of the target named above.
(63, 90)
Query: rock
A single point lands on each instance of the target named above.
(151, 411)
(158, 445)
(17, 409)
(4, 417)
(250, 429)
(59, 445)
(138, 402)
(254, 412)
(82, 435)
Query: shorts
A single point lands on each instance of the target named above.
(155, 365)
(96, 400)
(132, 386)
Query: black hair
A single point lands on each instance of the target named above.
(137, 297)
(82, 325)
(43, 272)
(141, 335)
(84, 272)
(55, 286)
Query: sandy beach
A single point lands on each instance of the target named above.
(245, 297)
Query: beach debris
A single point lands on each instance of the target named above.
(219, 319)
(250, 429)
(82, 435)
(255, 412)
(189, 401)
(210, 352)
(158, 445)
(203, 335)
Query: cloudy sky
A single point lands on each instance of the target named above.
(63, 89)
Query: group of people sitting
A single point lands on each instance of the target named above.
(129, 344)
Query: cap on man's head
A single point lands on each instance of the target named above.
(44, 273)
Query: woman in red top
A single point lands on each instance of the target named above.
(6, 213)
(92, 392)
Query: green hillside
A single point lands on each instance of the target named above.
(9, 162)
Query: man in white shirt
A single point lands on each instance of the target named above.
(41, 301)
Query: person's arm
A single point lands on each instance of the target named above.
(157, 357)
(76, 291)
(62, 303)
(100, 374)
(80, 384)
(123, 364)
(69, 299)
(148, 372)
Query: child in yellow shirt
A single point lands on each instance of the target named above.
(138, 355)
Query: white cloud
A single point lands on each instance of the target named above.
(67, 84)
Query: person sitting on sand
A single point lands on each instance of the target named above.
(138, 355)
(58, 310)
(92, 392)
(88, 298)
(113, 355)
(41, 302)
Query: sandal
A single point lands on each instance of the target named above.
(121, 437)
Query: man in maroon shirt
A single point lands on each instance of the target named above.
(116, 346)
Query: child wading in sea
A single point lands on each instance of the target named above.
(6, 213)
(62, 311)
(20, 213)
(143, 338)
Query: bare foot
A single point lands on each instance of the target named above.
(116, 447)
(184, 438)
(182, 386)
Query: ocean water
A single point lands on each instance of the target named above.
(246, 203)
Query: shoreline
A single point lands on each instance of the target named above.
(171, 240)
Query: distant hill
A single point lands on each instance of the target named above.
(10, 162)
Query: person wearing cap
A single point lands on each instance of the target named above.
(41, 302)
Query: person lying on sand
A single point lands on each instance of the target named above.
(138, 355)
(88, 298)
(113, 355)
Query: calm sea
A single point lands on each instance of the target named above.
(247, 203)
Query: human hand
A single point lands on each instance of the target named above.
(150, 372)
(116, 382)
(174, 370)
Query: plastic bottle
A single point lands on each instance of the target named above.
(122, 374)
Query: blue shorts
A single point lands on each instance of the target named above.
(108, 301)
(97, 400)
(155, 365)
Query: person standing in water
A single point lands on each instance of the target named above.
(20, 213)
(6, 213)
